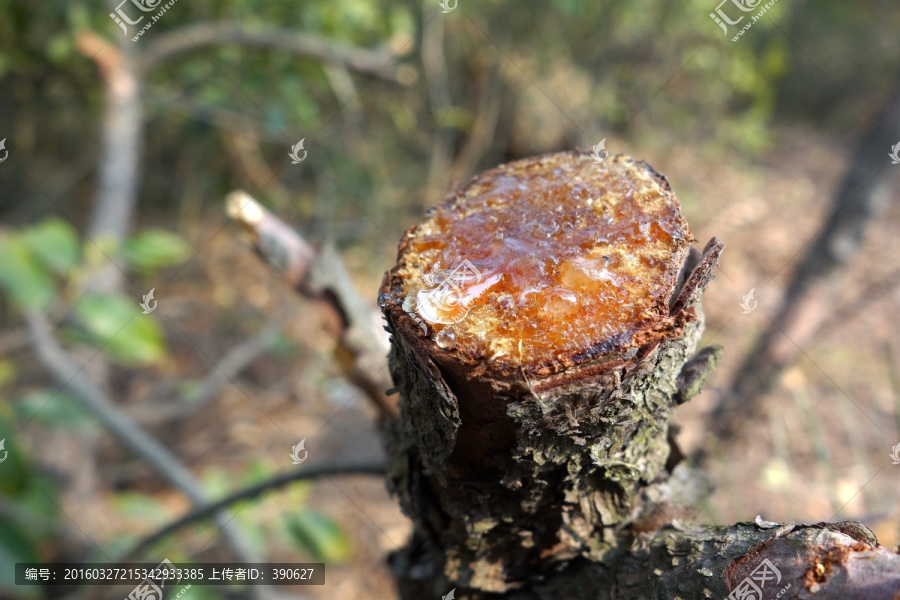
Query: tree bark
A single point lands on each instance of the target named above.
(567, 483)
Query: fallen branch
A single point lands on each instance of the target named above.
(861, 190)
(129, 434)
(322, 278)
(366, 466)
(374, 63)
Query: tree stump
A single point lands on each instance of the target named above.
(544, 323)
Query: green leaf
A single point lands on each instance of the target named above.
(60, 48)
(216, 482)
(54, 243)
(116, 324)
(154, 249)
(59, 410)
(255, 472)
(140, 506)
(40, 497)
(219, 482)
(27, 282)
(454, 116)
(318, 535)
(31, 527)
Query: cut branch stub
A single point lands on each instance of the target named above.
(539, 319)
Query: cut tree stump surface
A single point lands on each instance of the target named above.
(544, 264)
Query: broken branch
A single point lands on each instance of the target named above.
(322, 278)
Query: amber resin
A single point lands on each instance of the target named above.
(549, 261)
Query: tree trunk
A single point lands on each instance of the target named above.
(537, 477)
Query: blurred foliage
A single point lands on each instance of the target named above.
(318, 535)
(150, 250)
(28, 510)
(44, 267)
(599, 67)
(43, 271)
(300, 529)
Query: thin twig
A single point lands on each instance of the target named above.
(894, 377)
(235, 360)
(362, 466)
(129, 434)
(227, 368)
(374, 63)
(244, 145)
(484, 126)
(347, 95)
(819, 441)
(436, 76)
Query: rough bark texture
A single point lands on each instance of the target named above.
(571, 488)
(825, 561)
(572, 465)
